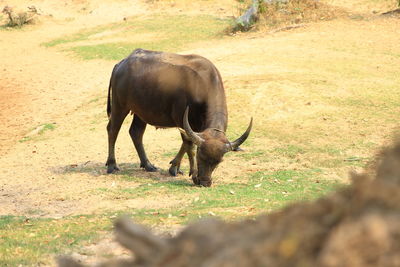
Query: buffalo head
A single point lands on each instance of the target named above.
(211, 144)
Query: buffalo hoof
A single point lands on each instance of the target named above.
(149, 167)
(174, 171)
(195, 180)
(112, 169)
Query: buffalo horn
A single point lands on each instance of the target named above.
(194, 137)
(235, 144)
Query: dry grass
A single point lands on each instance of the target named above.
(20, 18)
(365, 6)
(297, 12)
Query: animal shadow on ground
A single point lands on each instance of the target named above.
(127, 170)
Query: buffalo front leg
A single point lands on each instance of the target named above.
(136, 132)
(176, 162)
(113, 127)
(187, 147)
(193, 162)
(190, 150)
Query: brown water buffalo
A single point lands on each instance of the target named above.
(170, 90)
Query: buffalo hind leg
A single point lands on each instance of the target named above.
(136, 132)
(113, 127)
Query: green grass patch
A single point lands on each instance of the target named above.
(261, 192)
(264, 191)
(38, 132)
(36, 241)
(170, 33)
(146, 189)
(47, 127)
(74, 37)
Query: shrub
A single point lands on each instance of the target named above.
(20, 18)
(281, 13)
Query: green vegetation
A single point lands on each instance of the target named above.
(262, 191)
(46, 127)
(38, 132)
(27, 241)
(30, 241)
(157, 32)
